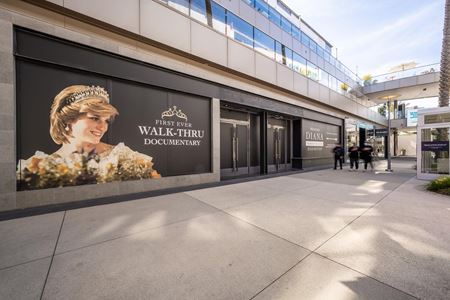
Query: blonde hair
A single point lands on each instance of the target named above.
(64, 112)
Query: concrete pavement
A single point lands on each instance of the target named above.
(318, 235)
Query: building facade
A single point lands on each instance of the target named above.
(204, 91)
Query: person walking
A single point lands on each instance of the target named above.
(338, 155)
(366, 155)
(354, 157)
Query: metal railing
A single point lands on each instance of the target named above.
(422, 70)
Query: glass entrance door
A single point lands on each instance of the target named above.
(278, 146)
(238, 144)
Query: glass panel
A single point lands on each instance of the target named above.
(438, 118)
(296, 33)
(312, 71)
(313, 46)
(340, 84)
(218, 17)
(264, 44)
(262, 7)
(250, 2)
(299, 64)
(323, 77)
(320, 51)
(332, 60)
(288, 56)
(332, 83)
(274, 16)
(435, 162)
(305, 39)
(283, 55)
(326, 56)
(239, 30)
(180, 5)
(286, 25)
(198, 11)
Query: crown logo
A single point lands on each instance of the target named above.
(86, 93)
(173, 111)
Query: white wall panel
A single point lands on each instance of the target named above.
(300, 84)
(241, 58)
(285, 77)
(265, 68)
(324, 94)
(313, 90)
(313, 57)
(247, 12)
(176, 34)
(286, 39)
(262, 23)
(231, 5)
(201, 40)
(123, 14)
(296, 46)
(275, 32)
(304, 52)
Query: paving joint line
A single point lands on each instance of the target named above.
(368, 276)
(24, 263)
(53, 255)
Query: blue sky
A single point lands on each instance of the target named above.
(373, 36)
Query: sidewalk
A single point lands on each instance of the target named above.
(327, 234)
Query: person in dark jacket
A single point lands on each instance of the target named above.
(338, 155)
(366, 155)
(354, 156)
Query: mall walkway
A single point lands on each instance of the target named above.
(317, 235)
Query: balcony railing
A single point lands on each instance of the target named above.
(422, 70)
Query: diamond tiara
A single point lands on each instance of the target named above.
(86, 93)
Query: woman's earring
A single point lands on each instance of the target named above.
(67, 128)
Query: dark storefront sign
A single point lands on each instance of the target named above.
(378, 132)
(435, 146)
(319, 139)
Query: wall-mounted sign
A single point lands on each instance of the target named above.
(319, 138)
(411, 117)
(103, 129)
(435, 146)
(378, 132)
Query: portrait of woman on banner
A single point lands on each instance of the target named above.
(80, 116)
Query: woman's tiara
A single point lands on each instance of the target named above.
(86, 93)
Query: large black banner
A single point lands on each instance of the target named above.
(75, 127)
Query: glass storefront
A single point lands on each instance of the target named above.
(435, 151)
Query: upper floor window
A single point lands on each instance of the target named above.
(323, 77)
(180, 5)
(313, 46)
(274, 16)
(262, 7)
(283, 54)
(312, 71)
(250, 2)
(198, 11)
(299, 63)
(218, 16)
(239, 30)
(286, 25)
(296, 33)
(264, 44)
(305, 39)
(320, 51)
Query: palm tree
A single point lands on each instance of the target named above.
(444, 83)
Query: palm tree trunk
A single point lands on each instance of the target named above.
(444, 82)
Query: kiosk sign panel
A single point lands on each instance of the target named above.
(435, 146)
